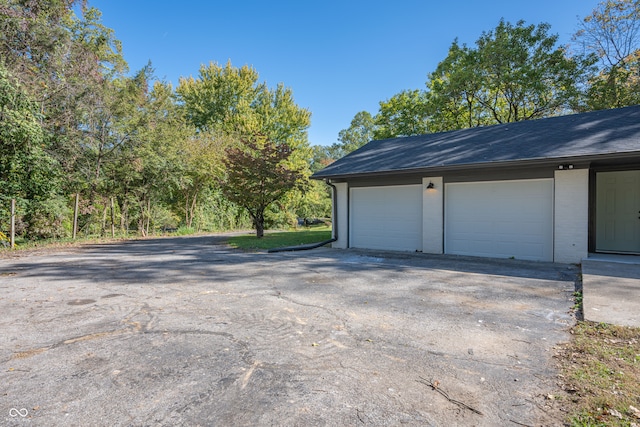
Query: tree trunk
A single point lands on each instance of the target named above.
(124, 225)
(12, 232)
(186, 210)
(103, 231)
(141, 217)
(148, 214)
(192, 210)
(258, 221)
(75, 216)
(113, 219)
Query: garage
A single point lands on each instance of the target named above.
(501, 219)
(554, 189)
(388, 218)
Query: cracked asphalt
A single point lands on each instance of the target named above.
(187, 331)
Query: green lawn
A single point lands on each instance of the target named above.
(281, 239)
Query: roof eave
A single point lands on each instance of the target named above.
(431, 170)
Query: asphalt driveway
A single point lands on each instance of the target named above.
(186, 331)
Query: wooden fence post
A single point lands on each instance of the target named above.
(13, 224)
(113, 219)
(75, 216)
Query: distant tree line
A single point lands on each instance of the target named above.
(136, 153)
(225, 151)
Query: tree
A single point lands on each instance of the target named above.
(360, 131)
(404, 114)
(258, 174)
(515, 72)
(220, 97)
(230, 103)
(611, 33)
(62, 62)
(27, 173)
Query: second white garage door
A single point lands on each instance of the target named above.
(500, 219)
(386, 218)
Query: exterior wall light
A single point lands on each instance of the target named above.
(566, 166)
(430, 186)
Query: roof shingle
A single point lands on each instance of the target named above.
(572, 136)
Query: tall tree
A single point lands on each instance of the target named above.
(360, 131)
(612, 34)
(61, 61)
(404, 114)
(258, 173)
(515, 72)
(220, 97)
(230, 103)
(27, 173)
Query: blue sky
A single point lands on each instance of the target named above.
(338, 57)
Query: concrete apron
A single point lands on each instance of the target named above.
(611, 289)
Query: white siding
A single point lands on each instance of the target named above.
(571, 214)
(432, 216)
(340, 223)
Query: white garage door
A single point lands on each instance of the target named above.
(386, 218)
(500, 219)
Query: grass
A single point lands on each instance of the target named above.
(313, 234)
(601, 375)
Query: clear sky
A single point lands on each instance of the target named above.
(338, 56)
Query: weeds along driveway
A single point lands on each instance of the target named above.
(186, 331)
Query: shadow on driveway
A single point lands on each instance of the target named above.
(187, 331)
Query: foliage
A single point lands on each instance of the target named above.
(515, 72)
(601, 374)
(612, 34)
(404, 114)
(258, 173)
(359, 132)
(219, 98)
(228, 103)
(27, 173)
(314, 234)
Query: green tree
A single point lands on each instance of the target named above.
(27, 173)
(612, 34)
(220, 98)
(231, 104)
(258, 173)
(454, 89)
(515, 72)
(360, 131)
(62, 62)
(404, 114)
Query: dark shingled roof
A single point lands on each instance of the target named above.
(586, 136)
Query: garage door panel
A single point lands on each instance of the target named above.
(386, 217)
(500, 219)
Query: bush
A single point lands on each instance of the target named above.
(185, 231)
(46, 218)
